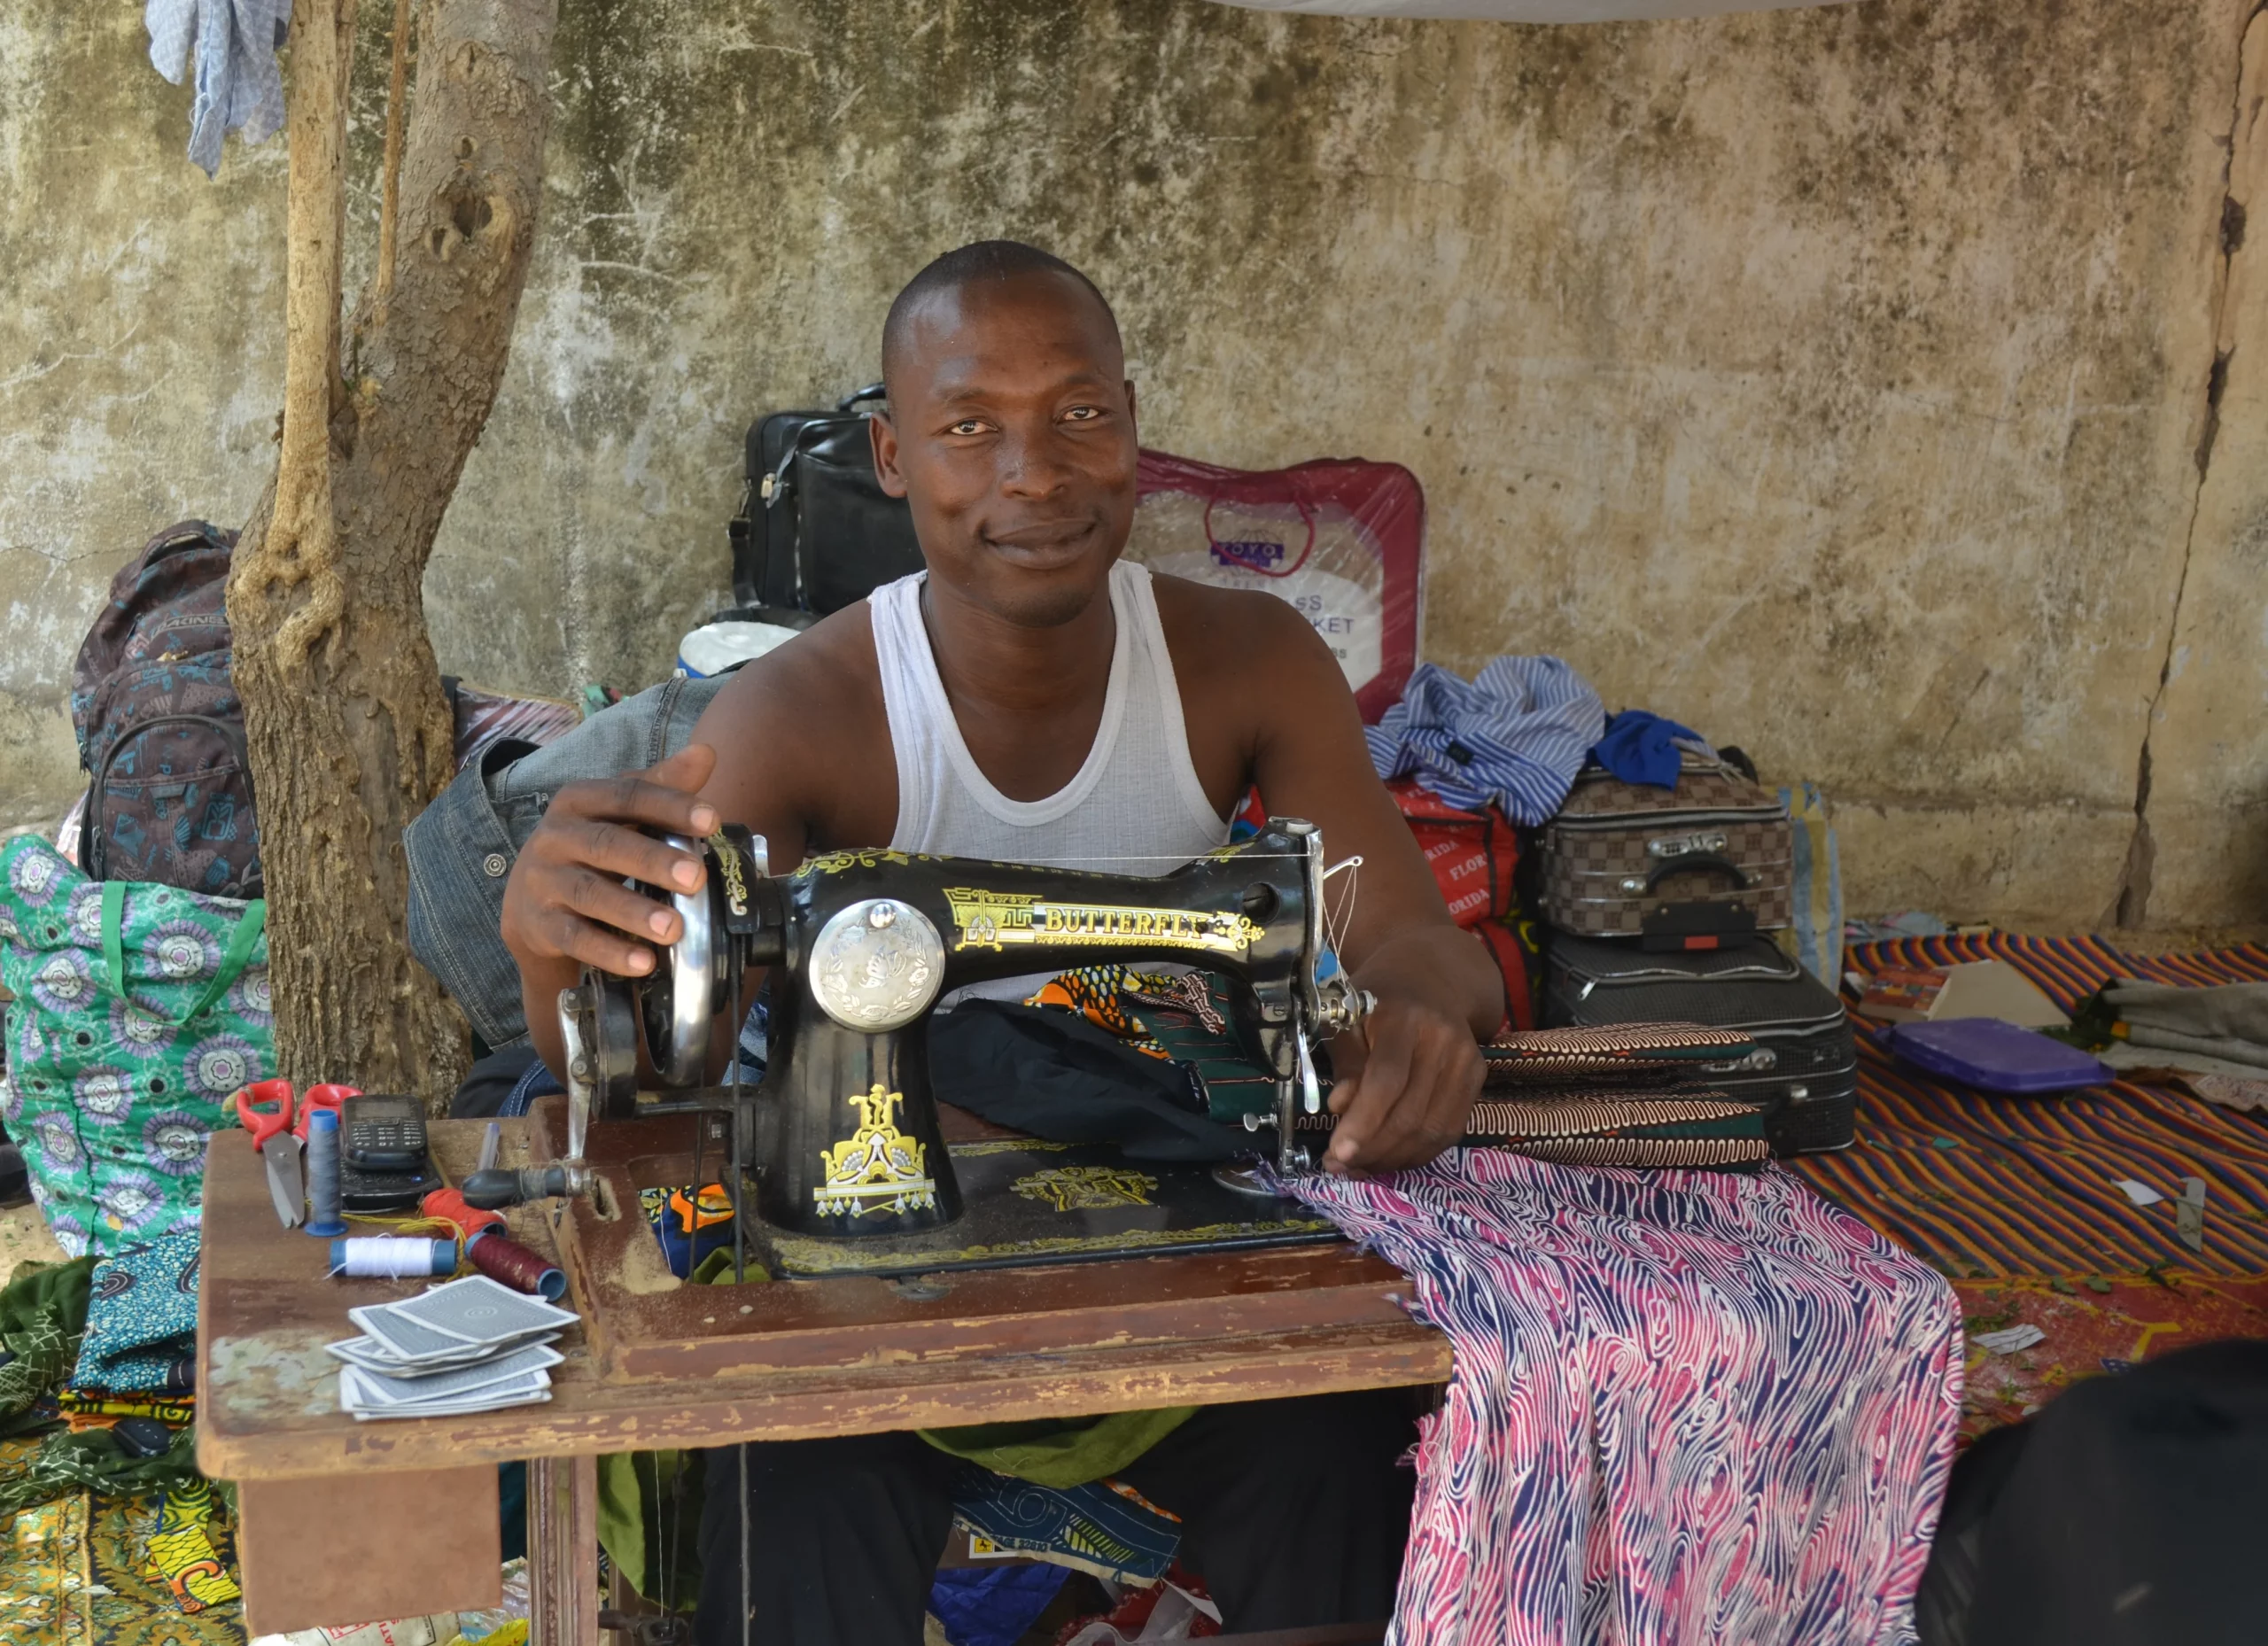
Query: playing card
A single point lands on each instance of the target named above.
(370, 1414)
(379, 1388)
(406, 1340)
(480, 1310)
(356, 1396)
(358, 1391)
(371, 1355)
(368, 1351)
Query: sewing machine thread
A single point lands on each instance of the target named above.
(391, 1257)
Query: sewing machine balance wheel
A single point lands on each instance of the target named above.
(683, 995)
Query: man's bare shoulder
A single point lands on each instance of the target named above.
(815, 690)
(1223, 634)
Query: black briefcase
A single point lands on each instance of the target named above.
(816, 531)
(1803, 1072)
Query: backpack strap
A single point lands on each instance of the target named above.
(233, 959)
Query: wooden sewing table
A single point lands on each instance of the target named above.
(344, 1521)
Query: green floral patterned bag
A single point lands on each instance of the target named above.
(139, 1010)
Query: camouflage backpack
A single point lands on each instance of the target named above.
(160, 730)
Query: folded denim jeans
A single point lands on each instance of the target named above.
(462, 848)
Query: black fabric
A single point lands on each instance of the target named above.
(1949, 1587)
(1293, 1512)
(489, 1082)
(1058, 1077)
(2132, 1511)
(842, 1537)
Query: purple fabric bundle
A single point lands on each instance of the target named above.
(1688, 1406)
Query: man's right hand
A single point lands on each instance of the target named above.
(566, 902)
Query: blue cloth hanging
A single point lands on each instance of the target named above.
(239, 88)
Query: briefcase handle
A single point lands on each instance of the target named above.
(851, 401)
(1691, 862)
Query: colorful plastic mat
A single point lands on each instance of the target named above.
(1988, 1186)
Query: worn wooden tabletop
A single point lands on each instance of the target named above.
(267, 1394)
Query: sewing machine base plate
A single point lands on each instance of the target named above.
(1029, 1203)
(1248, 1265)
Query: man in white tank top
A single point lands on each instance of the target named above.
(1033, 698)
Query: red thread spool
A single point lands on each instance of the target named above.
(449, 1204)
(502, 1258)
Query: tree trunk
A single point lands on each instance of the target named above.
(350, 736)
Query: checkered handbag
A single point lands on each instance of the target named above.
(1620, 853)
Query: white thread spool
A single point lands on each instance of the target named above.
(391, 1257)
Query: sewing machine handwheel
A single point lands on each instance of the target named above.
(679, 1001)
(614, 1052)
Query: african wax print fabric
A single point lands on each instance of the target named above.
(42, 1316)
(142, 1320)
(139, 1010)
(85, 1569)
(1688, 1407)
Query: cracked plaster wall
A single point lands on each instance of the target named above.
(1833, 380)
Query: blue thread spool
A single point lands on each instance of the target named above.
(323, 1175)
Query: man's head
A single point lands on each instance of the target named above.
(1010, 429)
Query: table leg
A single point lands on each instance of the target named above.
(562, 1551)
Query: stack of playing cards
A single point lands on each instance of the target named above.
(470, 1346)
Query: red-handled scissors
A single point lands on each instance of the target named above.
(265, 1109)
(330, 1095)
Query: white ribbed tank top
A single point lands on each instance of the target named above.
(1135, 807)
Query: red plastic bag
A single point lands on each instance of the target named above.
(1473, 854)
(1342, 539)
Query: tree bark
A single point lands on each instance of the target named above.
(349, 733)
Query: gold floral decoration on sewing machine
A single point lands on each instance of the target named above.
(878, 1168)
(1088, 1188)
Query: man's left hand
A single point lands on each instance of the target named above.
(1407, 1095)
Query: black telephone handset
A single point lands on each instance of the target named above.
(384, 1165)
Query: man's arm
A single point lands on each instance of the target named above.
(762, 754)
(1406, 1087)
(566, 906)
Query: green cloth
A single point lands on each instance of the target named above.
(715, 1270)
(92, 1459)
(650, 1522)
(42, 1316)
(650, 1502)
(1060, 1452)
(640, 1514)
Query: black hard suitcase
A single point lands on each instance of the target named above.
(816, 531)
(1805, 1071)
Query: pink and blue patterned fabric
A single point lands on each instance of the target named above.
(1688, 1407)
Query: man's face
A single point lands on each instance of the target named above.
(1011, 433)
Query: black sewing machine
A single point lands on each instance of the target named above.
(842, 1137)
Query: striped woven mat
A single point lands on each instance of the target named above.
(1992, 1186)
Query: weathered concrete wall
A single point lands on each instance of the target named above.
(1834, 380)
